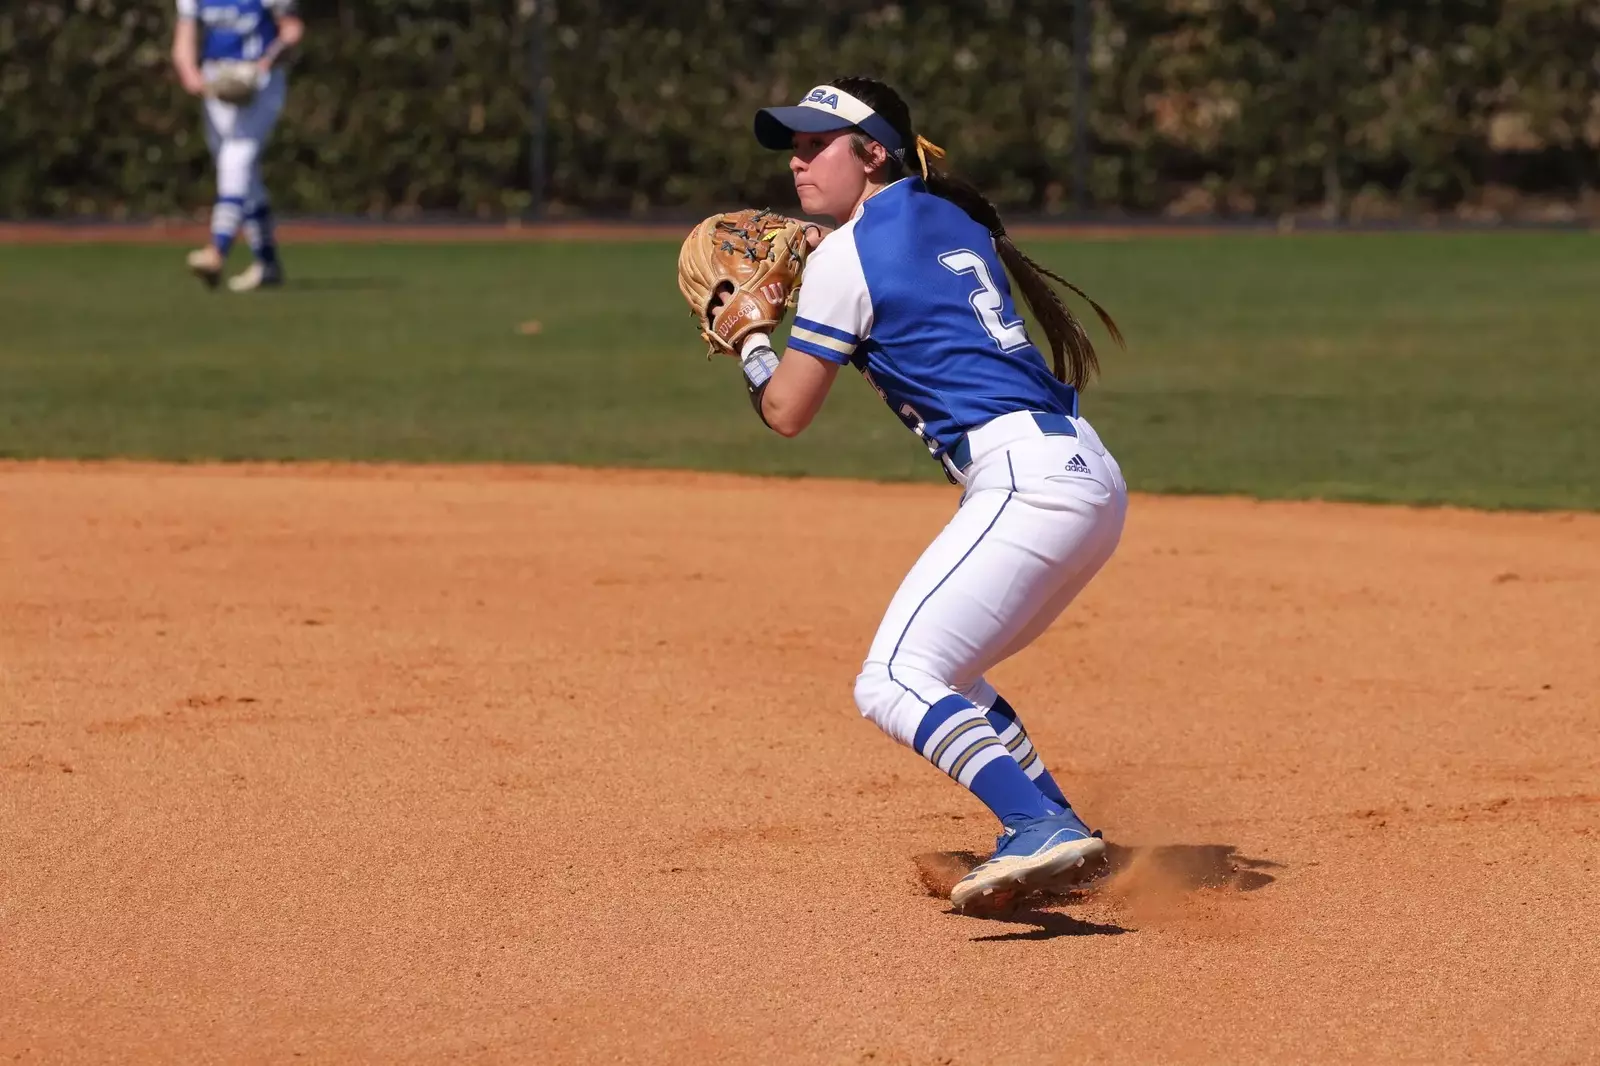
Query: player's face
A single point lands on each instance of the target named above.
(827, 174)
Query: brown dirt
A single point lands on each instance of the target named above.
(182, 232)
(177, 232)
(561, 766)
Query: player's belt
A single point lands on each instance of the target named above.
(1049, 425)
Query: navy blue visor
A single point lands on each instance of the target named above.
(824, 109)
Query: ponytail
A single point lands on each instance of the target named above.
(1074, 355)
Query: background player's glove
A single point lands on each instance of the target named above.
(233, 81)
(754, 259)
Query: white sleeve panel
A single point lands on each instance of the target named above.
(187, 10)
(279, 7)
(835, 311)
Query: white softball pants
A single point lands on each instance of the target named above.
(1034, 526)
(236, 136)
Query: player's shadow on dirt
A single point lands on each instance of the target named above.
(1047, 926)
(1126, 871)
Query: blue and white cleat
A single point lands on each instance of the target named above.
(1044, 854)
(257, 275)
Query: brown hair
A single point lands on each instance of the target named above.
(1075, 358)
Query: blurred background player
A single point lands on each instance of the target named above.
(211, 34)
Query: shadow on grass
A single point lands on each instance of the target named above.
(347, 284)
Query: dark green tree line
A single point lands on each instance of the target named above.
(1249, 107)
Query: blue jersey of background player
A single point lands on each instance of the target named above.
(212, 36)
(911, 290)
(235, 29)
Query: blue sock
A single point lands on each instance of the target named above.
(957, 738)
(1012, 733)
(258, 230)
(226, 215)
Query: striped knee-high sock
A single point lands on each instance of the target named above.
(258, 230)
(957, 737)
(1009, 728)
(226, 215)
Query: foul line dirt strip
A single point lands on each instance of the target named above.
(313, 232)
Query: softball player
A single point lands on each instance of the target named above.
(911, 290)
(211, 35)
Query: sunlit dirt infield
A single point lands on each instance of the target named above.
(342, 764)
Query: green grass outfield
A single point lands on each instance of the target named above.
(1418, 367)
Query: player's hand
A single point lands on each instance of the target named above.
(264, 64)
(814, 233)
(193, 83)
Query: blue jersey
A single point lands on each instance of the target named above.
(235, 29)
(912, 293)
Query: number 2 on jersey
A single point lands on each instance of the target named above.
(986, 301)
